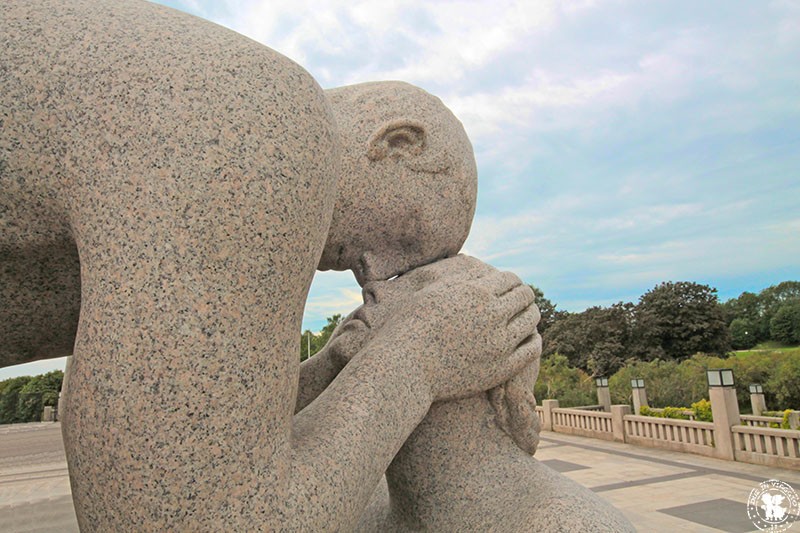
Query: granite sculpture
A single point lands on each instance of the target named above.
(168, 189)
(468, 466)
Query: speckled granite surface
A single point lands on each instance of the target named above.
(408, 181)
(193, 172)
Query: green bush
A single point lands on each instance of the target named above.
(667, 382)
(22, 399)
(784, 423)
(784, 383)
(671, 383)
(677, 413)
(702, 411)
(559, 381)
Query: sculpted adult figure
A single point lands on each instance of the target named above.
(176, 181)
(468, 465)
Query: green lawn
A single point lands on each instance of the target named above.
(771, 346)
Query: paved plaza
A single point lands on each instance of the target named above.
(659, 491)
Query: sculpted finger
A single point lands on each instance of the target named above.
(523, 325)
(517, 300)
(526, 353)
(501, 283)
(460, 267)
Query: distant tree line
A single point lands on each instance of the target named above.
(772, 314)
(670, 322)
(678, 384)
(23, 399)
(311, 343)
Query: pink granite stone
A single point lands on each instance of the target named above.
(183, 177)
(408, 181)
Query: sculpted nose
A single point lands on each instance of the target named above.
(368, 293)
(375, 291)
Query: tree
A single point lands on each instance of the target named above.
(785, 383)
(676, 320)
(22, 398)
(596, 340)
(668, 383)
(746, 307)
(743, 333)
(785, 324)
(772, 299)
(318, 341)
(558, 380)
(9, 398)
(40, 391)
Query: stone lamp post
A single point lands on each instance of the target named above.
(639, 395)
(603, 394)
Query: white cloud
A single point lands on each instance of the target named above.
(331, 293)
(653, 141)
(647, 217)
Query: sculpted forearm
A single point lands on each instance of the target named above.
(316, 373)
(348, 436)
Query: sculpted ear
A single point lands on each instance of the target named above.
(398, 138)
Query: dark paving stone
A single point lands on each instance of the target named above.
(723, 514)
(562, 466)
(646, 481)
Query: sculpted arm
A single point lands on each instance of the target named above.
(348, 436)
(316, 373)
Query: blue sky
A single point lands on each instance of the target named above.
(619, 143)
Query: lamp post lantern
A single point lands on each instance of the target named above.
(720, 377)
(603, 395)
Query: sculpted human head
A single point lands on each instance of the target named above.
(407, 185)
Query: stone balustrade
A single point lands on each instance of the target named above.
(760, 421)
(744, 441)
(596, 424)
(672, 434)
(767, 446)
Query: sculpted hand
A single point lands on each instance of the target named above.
(469, 326)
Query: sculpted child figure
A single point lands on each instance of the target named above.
(468, 466)
(166, 192)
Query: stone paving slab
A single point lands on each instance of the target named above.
(663, 491)
(659, 491)
(35, 495)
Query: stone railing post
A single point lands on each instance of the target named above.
(794, 420)
(639, 400)
(725, 409)
(758, 403)
(604, 398)
(548, 406)
(618, 413)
